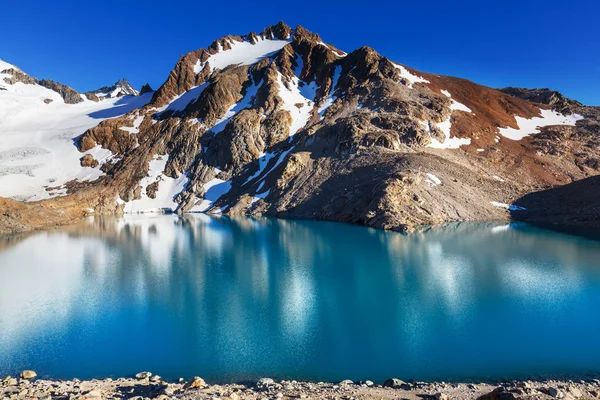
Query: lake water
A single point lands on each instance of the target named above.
(238, 299)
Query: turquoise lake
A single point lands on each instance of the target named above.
(239, 299)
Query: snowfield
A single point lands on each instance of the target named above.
(530, 126)
(37, 150)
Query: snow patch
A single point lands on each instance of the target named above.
(241, 53)
(213, 190)
(433, 180)
(531, 126)
(411, 78)
(297, 99)
(510, 207)
(168, 188)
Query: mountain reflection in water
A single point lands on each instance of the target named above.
(234, 299)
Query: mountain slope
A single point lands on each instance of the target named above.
(37, 127)
(281, 123)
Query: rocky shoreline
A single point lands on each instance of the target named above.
(149, 386)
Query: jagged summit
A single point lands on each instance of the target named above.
(121, 88)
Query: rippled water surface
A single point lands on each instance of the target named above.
(238, 299)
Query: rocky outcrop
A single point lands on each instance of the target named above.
(18, 76)
(69, 95)
(146, 89)
(544, 96)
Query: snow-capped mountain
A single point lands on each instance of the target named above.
(120, 88)
(281, 123)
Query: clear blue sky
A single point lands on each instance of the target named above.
(530, 43)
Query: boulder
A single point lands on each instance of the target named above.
(195, 383)
(265, 383)
(501, 393)
(28, 374)
(346, 382)
(555, 392)
(395, 383)
(143, 375)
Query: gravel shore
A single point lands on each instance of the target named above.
(148, 386)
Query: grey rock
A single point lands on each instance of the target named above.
(555, 392)
(395, 383)
(143, 375)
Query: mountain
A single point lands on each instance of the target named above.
(280, 123)
(120, 88)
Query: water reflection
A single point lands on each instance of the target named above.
(243, 298)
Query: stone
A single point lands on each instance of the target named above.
(346, 382)
(155, 378)
(575, 392)
(395, 383)
(143, 375)
(369, 383)
(195, 383)
(555, 392)
(92, 395)
(234, 396)
(440, 396)
(28, 374)
(264, 383)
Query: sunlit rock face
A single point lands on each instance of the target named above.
(240, 298)
(280, 123)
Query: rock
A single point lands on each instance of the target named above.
(155, 378)
(28, 374)
(369, 383)
(146, 89)
(143, 375)
(501, 393)
(88, 161)
(234, 396)
(440, 396)
(575, 392)
(346, 382)
(265, 383)
(92, 395)
(395, 383)
(48, 101)
(169, 390)
(195, 383)
(555, 392)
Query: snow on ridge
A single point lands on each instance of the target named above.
(531, 126)
(296, 93)
(241, 53)
(411, 78)
(4, 65)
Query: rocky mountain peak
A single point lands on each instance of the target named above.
(544, 96)
(121, 88)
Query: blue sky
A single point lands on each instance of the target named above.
(530, 43)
